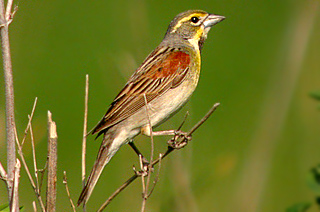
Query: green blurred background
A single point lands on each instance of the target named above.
(261, 63)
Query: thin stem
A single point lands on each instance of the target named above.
(42, 171)
(65, 182)
(14, 203)
(34, 157)
(34, 206)
(146, 185)
(9, 93)
(52, 165)
(144, 201)
(195, 127)
(84, 137)
(184, 120)
(36, 187)
(150, 128)
(144, 190)
(29, 175)
(84, 140)
(156, 179)
(143, 174)
(169, 150)
(8, 10)
(121, 188)
(30, 117)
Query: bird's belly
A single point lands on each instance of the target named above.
(168, 104)
(161, 108)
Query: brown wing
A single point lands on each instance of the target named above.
(164, 68)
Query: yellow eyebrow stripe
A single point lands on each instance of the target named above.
(184, 20)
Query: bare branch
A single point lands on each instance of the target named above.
(144, 200)
(195, 127)
(161, 157)
(8, 10)
(65, 182)
(192, 130)
(150, 127)
(30, 117)
(145, 186)
(142, 173)
(34, 206)
(15, 194)
(28, 173)
(52, 165)
(34, 185)
(9, 93)
(42, 171)
(156, 179)
(84, 137)
(184, 120)
(34, 157)
(121, 188)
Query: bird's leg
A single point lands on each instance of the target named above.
(145, 162)
(146, 131)
(160, 133)
(179, 140)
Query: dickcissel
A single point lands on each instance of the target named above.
(164, 82)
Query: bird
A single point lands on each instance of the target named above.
(157, 89)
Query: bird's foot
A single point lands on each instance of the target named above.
(140, 173)
(179, 140)
(145, 167)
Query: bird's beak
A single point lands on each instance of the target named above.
(212, 20)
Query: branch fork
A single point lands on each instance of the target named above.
(9, 15)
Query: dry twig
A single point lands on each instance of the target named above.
(34, 157)
(9, 93)
(30, 117)
(36, 187)
(34, 206)
(176, 142)
(14, 203)
(145, 185)
(121, 188)
(65, 182)
(29, 174)
(52, 165)
(85, 131)
(84, 137)
(156, 179)
(42, 171)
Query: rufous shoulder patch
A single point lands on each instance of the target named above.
(173, 64)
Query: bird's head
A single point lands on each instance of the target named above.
(192, 26)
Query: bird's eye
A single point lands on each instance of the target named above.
(194, 19)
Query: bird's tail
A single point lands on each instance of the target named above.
(106, 151)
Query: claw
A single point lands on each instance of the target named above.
(140, 172)
(145, 162)
(180, 140)
(144, 167)
(180, 133)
